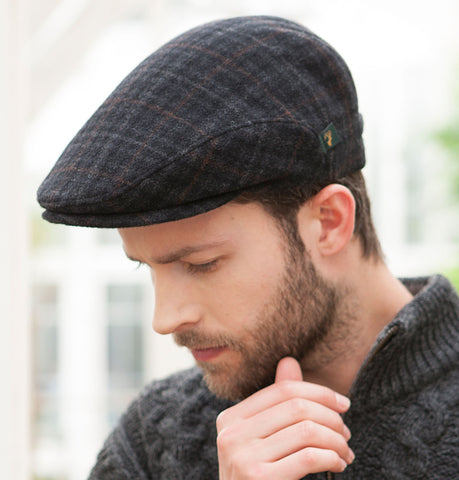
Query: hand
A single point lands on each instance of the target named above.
(285, 431)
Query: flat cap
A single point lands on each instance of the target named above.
(225, 107)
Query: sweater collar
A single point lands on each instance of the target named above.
(420, 344)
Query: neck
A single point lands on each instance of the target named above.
(371, 301)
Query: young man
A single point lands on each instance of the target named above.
(230, 162)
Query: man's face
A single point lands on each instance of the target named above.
(231, 288)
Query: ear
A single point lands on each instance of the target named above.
(333, 212)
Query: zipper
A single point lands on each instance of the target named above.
(382, 344)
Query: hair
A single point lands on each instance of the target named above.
(283, 202)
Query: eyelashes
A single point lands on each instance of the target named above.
(192, 268)
(196, 268)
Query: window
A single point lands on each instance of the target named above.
(45, 362)
(125, 350)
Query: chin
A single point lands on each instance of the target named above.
(221, 386)
(222, 382)
(233, 386)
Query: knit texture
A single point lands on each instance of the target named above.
(404, 416)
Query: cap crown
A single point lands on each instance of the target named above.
(224, 107)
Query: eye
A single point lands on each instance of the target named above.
(201, 267)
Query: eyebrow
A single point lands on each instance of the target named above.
(178, 254)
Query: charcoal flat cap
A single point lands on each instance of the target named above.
(225, 107)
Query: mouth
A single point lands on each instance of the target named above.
(207, 354)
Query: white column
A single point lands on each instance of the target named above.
(82, 353)
(14, 307)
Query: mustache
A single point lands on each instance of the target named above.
(198, 340)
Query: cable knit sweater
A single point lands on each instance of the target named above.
(404, 416)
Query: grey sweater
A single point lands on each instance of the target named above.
(404, 416)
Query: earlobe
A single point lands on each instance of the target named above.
(334, 208)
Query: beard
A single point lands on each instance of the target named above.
(293, 323)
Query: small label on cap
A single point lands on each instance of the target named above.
(329, 138)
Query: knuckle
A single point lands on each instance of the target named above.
(336, 422)
(225, 440)
(342, 448)
(222, 419)
(307, 430)
(298, 408)
(333, 458)
(308, 459)
(311, 459)
(336, 463)
(327, 396)
(286, 388)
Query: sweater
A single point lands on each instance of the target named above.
(404, 416)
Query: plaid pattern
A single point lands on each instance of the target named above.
(222, 108)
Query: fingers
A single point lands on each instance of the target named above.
(290, 412)
(302, 435)
(288, 369)
(289, 455)
(284, 431)
(278, 393)
(310, 460)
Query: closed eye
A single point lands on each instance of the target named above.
(196, 268)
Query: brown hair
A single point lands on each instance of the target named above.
(283, 203)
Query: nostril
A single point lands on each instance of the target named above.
(173, 319)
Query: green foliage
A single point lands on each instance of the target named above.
(453, 276)
(447, 138)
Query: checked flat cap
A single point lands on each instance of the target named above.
(225, 107)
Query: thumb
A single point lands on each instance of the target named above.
(288, 369)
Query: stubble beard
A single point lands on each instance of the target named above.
(294, 322)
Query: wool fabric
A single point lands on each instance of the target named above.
(228, 106)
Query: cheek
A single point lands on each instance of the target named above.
(237, 299)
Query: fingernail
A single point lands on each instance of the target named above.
(343, 401)
(350, 457)
(347, 432)
(343, 464)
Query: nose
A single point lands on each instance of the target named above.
(176, 306)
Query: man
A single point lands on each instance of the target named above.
(230, 162)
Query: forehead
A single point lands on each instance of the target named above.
(232, 223)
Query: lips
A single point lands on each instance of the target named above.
(207, 354)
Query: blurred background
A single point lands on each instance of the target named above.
(76, 342)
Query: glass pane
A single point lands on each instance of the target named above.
(125, 356)
(125, 347)
(45, 361)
